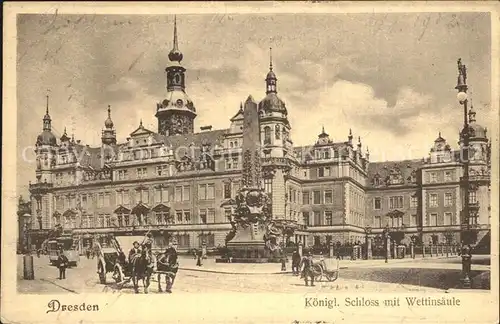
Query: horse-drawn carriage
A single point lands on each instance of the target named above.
(320, 270)
(111, 258)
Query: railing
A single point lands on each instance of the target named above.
(40, 186)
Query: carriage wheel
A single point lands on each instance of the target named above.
(317, 272)
(102, 273)
(333, 276)
(118, 273)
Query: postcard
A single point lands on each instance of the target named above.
(250, 162)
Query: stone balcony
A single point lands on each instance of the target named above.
(276, 161)
(40, 186)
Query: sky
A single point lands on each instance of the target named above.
(388, 77)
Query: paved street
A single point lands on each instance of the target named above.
(424, 275)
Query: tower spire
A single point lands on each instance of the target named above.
(175, 54)
(46, 119)
(270, 58)
(271, 76)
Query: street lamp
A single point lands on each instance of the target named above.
(462, 99)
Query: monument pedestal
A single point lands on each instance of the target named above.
(248, 246)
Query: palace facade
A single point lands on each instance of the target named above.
(176, 183)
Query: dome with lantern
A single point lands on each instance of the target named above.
(271, 102)
(476, 130)
(46, 137)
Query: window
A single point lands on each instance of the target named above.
(378, 221)
(187, 216)
(157, 195)
(162, 170)
(448, 218)
(377, 203)
(413, 201)
(229, 165)
(227, 190)
(397, 221)
(164, 194)
(447, 176)
(142, 173)
(305, 218)
(267, 135)
(317, 218)
(206, 191)
(143, 195)
(119, 197)
(211, 215)
(178, 193)
(395, 202)
(324, 172)
(178, 215)
(183, 240)
(186, 193)
(328, 218)
(107, 199)
(227, 214)
(317, 197)
(413, 220)
(472, 197)
(235, 163)
(203, 216)
(305, 198)
(84, 201)
(100, 200)
(268, 185)
(433, 177)
(122, 174)
(328, 197)
(277, 132)
(448, 199)
(433, 201)
(433, 219)
(209, 239)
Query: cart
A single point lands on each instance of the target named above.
(320, 271)
(112, 259)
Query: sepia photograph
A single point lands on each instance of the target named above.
(316, 154)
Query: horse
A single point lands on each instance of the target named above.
(142, 267)
(168, 266)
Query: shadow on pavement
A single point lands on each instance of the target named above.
(434, 278)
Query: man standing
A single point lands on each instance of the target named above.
(171, 254)
(62, 264)
(134, 251)
(199, 256)
(295, 262)
(307, 263)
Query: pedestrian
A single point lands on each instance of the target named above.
(295, 262)
(62, 264)
(307, 272)
(38, 253)
(199, 255)
(283, 260)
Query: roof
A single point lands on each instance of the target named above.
(402, 169)
(91, 156)
(306, 153)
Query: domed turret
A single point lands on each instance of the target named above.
(108, 134)
(46, 137)
(108, 123)
(477, 131)
(272, 103)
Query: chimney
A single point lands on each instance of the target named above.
(206, 128)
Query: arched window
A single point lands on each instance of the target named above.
(277, 132)
(267, 135)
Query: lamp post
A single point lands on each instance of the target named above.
(368, 231)
(462, 99)
(386, 238)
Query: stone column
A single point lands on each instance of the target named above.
(369, 248)
(412, 250)
(395, 250)
(331, 249)
(388, 247)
